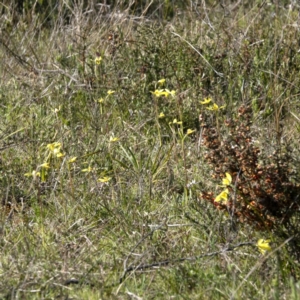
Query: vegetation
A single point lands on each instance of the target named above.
(149, 151)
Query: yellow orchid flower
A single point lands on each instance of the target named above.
(56, 110)
(157, 93)
(88, 169)
(161, 115)
(205, 101)
(55, 149)
(104, 179)
(110, 92)
(213, 107)
(98, 60)
(177, 122)
(71, 160)
(190, 131)
(164, 92)
(227, 181)
(172, 93)
(45, 165)
(113, 139)
(222, 197)
(168, 92)
(263, 246)
(33, 174)
(53, 146)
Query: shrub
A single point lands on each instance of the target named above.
(261, 189)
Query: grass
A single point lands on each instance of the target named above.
(126, 219)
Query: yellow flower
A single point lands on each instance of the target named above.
(161, 115)
(56, 110)
(163, 92)
(113, 139)
(173, 93)
(263, 246)
(45, 165)
(222, 197)
(56, 152)
(98, 60)
(110, 92)
(101, 100)
(177, 122)
(190, 131)
(213, 107)
(55, 149)
(227, 181)
(157, 93)
(205, 101)
(71, 160)
(104, 179)
(54, 146)
(161, 81)
(33, 174)
(168, 92)
(87, 170)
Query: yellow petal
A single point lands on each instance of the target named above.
(213, 107)
(165, 93)
(54, 146)
(227, 181)
(73, 159)
(36, 174)
(190, 131)
(87, 170)
(222, 197)
(104, 179)
(98, 60)
(113, 139)
(205, 101)
(45, 165)
(263, 245)
(157, 93)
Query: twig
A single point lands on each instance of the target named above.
(163, 263)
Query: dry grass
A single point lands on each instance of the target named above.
(126, 218)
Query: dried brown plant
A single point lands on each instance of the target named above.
(263, 192)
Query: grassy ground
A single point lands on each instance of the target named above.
(101, 179)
